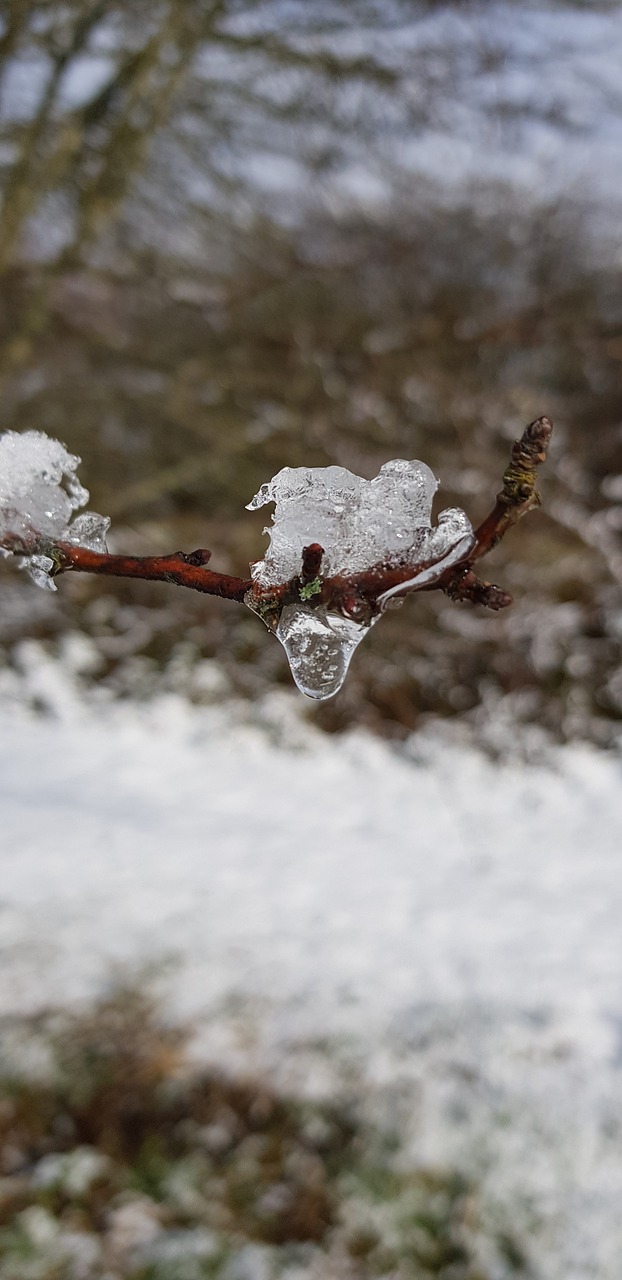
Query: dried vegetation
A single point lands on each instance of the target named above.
(117, 1158)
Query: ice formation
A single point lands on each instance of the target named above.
(39, 493)
(359, 523)
(319, 647)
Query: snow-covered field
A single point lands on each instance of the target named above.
(437, 931)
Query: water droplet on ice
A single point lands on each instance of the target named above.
(319, 647)
(89, 530)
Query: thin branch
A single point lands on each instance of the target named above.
(185, 569)
(360, 595)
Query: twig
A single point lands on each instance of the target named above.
(518, 496)
(185, 569)
(359, 595)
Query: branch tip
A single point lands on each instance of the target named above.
(519, 479)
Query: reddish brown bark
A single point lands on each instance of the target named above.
(186, 569)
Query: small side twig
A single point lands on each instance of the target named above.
(467, 586)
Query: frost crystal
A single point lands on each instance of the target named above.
(359, 523)
(39, 492)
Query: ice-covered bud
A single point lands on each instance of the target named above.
(360, 524)
(39, 493)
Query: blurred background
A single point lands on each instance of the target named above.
(241, 235)
(237, 235)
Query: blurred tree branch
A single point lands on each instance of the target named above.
(95, 151)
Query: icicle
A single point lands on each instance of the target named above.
(319, 647)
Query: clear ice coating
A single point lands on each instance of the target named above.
(39, 492)
(39, 569)
(359, 523)
(89, 530)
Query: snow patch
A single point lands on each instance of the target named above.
(438, 931)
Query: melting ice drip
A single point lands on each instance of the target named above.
(359, 523)
(319, 647)
(39, 492)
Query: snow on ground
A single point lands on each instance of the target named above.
(441, 930)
